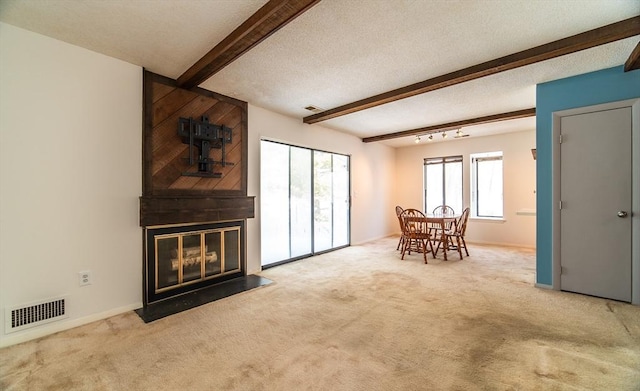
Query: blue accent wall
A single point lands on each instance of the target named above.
(607, 85)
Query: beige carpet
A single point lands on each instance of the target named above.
(356, 319)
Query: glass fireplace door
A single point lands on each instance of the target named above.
(189, 257)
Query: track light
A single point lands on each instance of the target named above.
(444, 134)
(417, 140)
(430, 138)
(459, 134)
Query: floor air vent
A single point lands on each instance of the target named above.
(34, 314)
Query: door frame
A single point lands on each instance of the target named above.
(635, 202)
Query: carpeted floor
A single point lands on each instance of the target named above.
(356, 319)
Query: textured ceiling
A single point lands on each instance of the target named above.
(341, 51)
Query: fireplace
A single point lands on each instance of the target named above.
(184, 258)
(194, 204)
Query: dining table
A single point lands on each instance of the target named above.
(438, 224)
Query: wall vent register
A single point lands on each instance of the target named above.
(34, 314)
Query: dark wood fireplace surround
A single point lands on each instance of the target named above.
(171, 198)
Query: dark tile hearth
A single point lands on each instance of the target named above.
(194, 299)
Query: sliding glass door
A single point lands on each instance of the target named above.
(340, 191)
(304, 202)
(300, 205)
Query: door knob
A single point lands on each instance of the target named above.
(622, 214)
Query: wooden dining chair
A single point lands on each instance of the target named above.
(416, 233)
(457, 232)
(399, 211)
(462, 229)
(443, 210)
(439, 228)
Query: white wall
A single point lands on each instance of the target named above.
(519, 183)
(372, 175)
(70, 178)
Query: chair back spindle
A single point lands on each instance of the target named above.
(399, 211)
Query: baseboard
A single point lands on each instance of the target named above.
(481, 243)
(478, 242)
(52, 328)
(543, 286)
(374, 239)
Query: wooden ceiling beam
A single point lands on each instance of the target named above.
(454, 125)
(592, 38)
(267, 20)
(633, 62)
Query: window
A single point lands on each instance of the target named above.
(486, 185)
(443, 183)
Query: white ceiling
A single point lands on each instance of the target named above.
(341, 51)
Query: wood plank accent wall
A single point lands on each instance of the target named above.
(170, 197)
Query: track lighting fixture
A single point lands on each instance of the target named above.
(459, 134)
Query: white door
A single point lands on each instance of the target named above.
(596, 195)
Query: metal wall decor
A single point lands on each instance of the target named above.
(204, 136)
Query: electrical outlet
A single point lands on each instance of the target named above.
(85, 278)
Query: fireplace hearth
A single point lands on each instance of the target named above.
(187, 301)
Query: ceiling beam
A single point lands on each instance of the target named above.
(266, 21)
(454, 125)
(633, 62)
(610, 33)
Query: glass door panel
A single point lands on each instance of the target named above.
(300, 207)
(322, 201)
(231, 250)
(340, 200)
(274, 196)
(168, 262)
(191, 258)
(212, 255)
